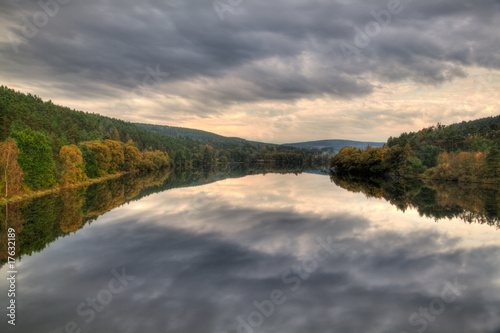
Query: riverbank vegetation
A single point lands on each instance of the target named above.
(46, 146)
(28, 165)
(468, 151)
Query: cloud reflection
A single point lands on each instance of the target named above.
(193, 279)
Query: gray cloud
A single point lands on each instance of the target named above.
(280, 50)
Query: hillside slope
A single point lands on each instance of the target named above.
(334, 145)
(65, 126)
(466, 151)
(215, 140)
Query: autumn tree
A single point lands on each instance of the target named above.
(154, 160)
(10, 171)
(117, 155)
(73, 165)
(465, 166)
(397, 157)
(102, 155)
(132, 157)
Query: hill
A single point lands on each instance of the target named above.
(215, 140)
(475, 135)
(466, 151)
(65, 126)
(333, 146)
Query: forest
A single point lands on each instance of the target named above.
(44, 146)
(467, 151)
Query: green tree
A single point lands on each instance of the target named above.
(493, 162)
(35, 159)
(90, 162)
(101, 154)
(209, 156)
(429, 156)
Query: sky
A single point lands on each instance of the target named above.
(274, 71)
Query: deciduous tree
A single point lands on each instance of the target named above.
(117, 155)
(9, 168)
(72, 162)
(101, 154)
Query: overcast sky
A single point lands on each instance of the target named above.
(268, 70)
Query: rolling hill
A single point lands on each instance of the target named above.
(215, 140)
(333, 146)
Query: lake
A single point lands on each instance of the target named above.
(237, 252)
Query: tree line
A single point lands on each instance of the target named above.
(43, 145)
(27, 163)
(469, 151)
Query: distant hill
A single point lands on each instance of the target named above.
(224, 142)
(215, 140)
(333, 145)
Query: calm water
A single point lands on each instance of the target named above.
(262, 253)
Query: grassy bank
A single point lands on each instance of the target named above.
(41, 193)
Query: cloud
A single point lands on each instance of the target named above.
(261, 52)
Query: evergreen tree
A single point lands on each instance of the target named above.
(35, 159)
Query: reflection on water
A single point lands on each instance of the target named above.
(470, 202)
(41, 221)
(260, 253)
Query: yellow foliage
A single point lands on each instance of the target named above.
(117, 155)
(10, 171)
(102, 155)
(466, 166)
(133, 158)
(72, 162)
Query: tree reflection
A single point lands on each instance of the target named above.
(470, 202)
(43, 220)
(72, 216)
(10, 217)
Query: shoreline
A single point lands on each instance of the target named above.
(41, 193)
(387, 177)
(457, 181)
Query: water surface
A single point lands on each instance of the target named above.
(261, 253)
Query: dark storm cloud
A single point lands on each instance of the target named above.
(279, 50)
